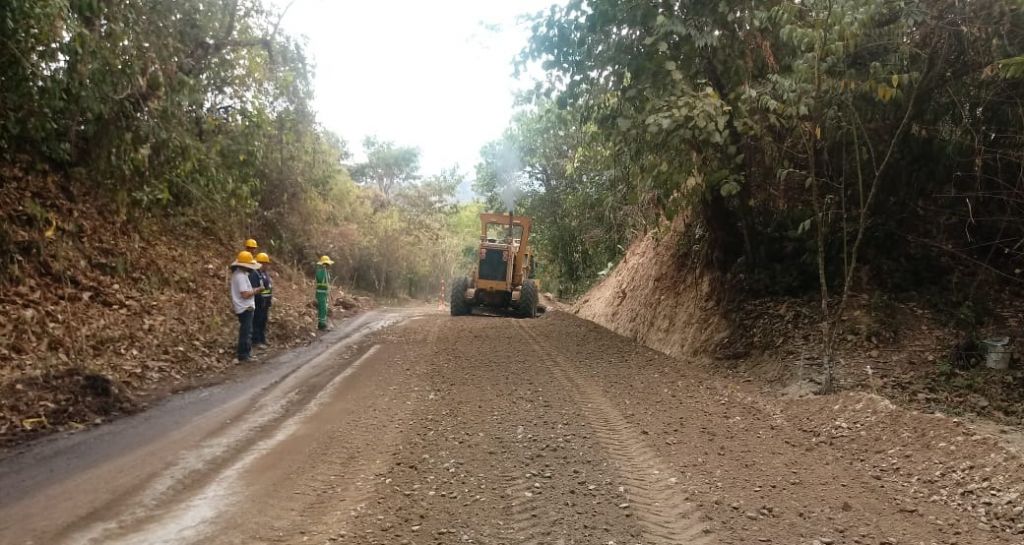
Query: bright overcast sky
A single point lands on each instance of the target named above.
(435, 74)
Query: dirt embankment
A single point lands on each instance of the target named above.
(103, 313)
(897, 345)
(654, 296)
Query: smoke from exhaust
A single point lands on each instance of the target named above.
(509, 167)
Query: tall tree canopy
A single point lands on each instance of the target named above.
(387, 167)
(797, 139)
(779, 126)
(203, 108)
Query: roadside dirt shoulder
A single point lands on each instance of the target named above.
(845, 469)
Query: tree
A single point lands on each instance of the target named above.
(201, 109)
(387, 167)
(790, 134)
(552, 166)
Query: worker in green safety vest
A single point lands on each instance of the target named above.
(264, 299)
(323, 289)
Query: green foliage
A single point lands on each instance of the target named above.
(388, 167)
(768, 124)
(200, 109)
(1012, 67)
(163, 103)
(552, 165)
(410, 246)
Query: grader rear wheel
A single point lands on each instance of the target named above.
(457, 301)
(529, 299)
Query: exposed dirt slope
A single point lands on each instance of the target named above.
(101, 313)
(899, 346)
(655, 297)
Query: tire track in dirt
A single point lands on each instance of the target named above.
(663, 513)
(497, 452)
(357, 459)
(531, 519)
(326, 481)
(364, 475)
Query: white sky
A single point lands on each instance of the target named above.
(424, 73)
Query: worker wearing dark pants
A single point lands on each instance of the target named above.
(323, 290)
(242, 303)
(256, 281)
(263, 301)
(244, 351)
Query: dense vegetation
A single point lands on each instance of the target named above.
(200, 110)
(808, 146)
(799, 139)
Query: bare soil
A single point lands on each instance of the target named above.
(899, 346)
(548, 431)
(102, 314)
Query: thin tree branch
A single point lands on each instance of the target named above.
(961, 255)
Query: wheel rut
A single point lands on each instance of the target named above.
(660, 507)
(532, 520)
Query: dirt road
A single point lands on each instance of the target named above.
(501, 431)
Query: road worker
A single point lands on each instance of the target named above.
(263, 301)
(256, 281)
(242, 301)
(254, 278)
(323, 290)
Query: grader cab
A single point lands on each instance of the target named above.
(503, 276)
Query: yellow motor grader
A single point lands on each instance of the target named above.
(503, 277)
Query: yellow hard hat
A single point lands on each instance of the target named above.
(262, 257)
(245, 260)
(324, 260)
(251, 243)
